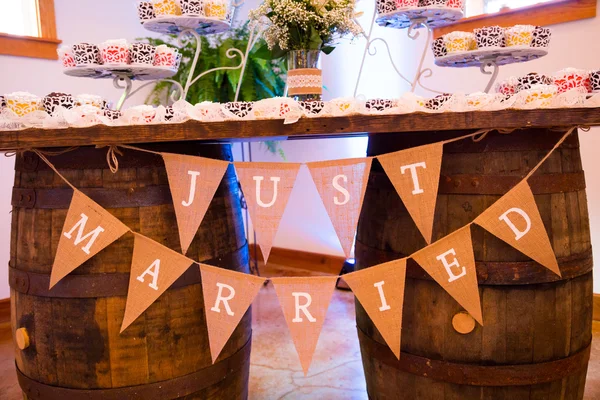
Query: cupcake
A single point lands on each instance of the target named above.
(115, 52)
(145, 11)
(386, 6)
(65, 55)
(519, 35)
(531, 79)
(169, 113)
(407, 3)
(438, 101)
(90, 100)
(439, 48)
(165, 8)
(165, 56)
(86, 54)
(239, 109)
(541, 37)
(54, 100)
(191, 7)
(2, 103)
(490, 36)
(142, 54)
(216, 9)
(312, 108)
(541, 95)
(22, 103)
(429, 3)
(178, 58)
(112, 115)
(459, 41)
(379, 105)
(142, 114)
(572, 78)
(595, 81)
(508, 87)
(455, 4)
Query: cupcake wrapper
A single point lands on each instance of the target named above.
(437, 102)
(386, 6)
(191, 7)
(379, 105)
(439, 48)
(115, 54)
(145, 11)
(85, 54)
(595, 80)
(142, 53)
(239, 109)
(490, 36)
(312, 107)
(51, 103)
(541, 37)
(166, 7)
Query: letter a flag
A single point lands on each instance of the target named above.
(227, 296)
(193, 182)
(267, 188)
(304, 302)
(380, 290)
(451, 263)
(342, 185)
(88, 229)
(154, 268)
(415, 173)
(515, 219)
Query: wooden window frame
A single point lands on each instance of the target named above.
(539, 14)
(37, 47)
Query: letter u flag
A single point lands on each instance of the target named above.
(342, 184)
(304, 302)
(227, 296)
(516, 220)
(193, 182)
(267, 188)
(88, 229)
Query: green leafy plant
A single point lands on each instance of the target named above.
(263, 78)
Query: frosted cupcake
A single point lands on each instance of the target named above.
(519, 35)
(531, 79)
(55, 100)
(489, 36)
(142, 114)
(572, 78)
(86, 54)
(165, 8)
(192, 7)
(165, 56)
(541, 37)
(508, 87)
(142, 54)
(22, 103)
(65, 55)
(459, 41)
(90, 100)
(115, 52)
(216, 9)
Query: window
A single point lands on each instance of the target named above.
(478, 7)
(28, 28)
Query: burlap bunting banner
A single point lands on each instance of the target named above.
(515, 219)
(415, 173)
(304, 302)
(227, 296)
(267, 188)
(342, 184)
(87, 230)
(154, 268)
(380, 290)
(451, 263)
(193, 182)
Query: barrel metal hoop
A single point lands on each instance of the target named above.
(108, 284)
(493, 273)
(476, 375)
(169, 389)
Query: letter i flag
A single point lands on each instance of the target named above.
(516, 220)
(415, 173)
(227, 296)
(380, 290)
(193, 182)
(154, 268)
(267, 188)
(342, 184)
(304, 302)
(451, 263)
(88, 229)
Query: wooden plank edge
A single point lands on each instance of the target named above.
(317, 262)
(596, 307)
(4, 311)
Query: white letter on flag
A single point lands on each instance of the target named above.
(225, 300)
(413, 173)
(340, 188)
(194, 175)
(518, 234)
(258, 179)
(442, 258)
(154, 274)
(303, 307)
(80, 238)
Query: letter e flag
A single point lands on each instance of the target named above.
(88, 229)
(227, 296)
(154, 268)
(451, 263)
(193, 182)
(415, 173)
(304, 302)
(380, 290)
(342, 184)
(516, 220)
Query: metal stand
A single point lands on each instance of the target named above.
(486, 63)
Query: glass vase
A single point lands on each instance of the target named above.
(304, 75)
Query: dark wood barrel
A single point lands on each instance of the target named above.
(536, 337)
(75, 350)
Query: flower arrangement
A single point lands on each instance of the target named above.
(305, 24)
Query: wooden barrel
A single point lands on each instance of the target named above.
(73, 349)
(536, 337)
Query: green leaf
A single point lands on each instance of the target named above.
(327, 49)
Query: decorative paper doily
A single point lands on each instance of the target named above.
(135, 72)
(435, 16)
(174, 24)
(501, 55)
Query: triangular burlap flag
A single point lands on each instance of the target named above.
(154, 268)
(267, 188)
(515, 219)
(304, 302)
(88, 229)
(342, 185)
(227, 296)
(193, 182)
(415, 173)
(451, 263)
(380, 290)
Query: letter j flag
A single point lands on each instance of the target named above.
(227, 296)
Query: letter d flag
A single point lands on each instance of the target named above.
(227, 296)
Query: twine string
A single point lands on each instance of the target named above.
(111, 157)
(43, 157)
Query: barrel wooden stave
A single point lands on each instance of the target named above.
(76, 343)
(524, 324)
